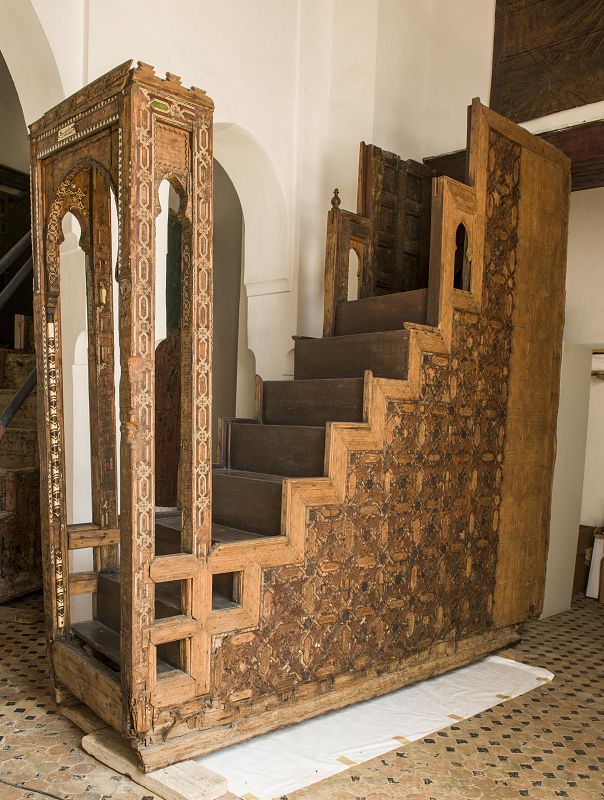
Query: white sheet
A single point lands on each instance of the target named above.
(271, 765)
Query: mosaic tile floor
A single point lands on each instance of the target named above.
(546, 744)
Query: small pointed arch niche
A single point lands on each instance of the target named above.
(462, 264)
(354, 267)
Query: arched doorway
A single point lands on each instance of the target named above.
(233, 364)
(14, 203)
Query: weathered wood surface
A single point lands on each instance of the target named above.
(187, 781)
(547, 56)
(533, 387)
(378, 567)
(395, 196)
(127, 131)
(382, 313)
(312, 402)
(20, 559)
(345, 690)
(390, 232)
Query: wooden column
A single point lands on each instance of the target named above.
(101, 365)
(165, 137)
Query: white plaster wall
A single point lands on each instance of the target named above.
(585, 272)
(585, 324)
(592, 505)
(461, 54)
(577, 492)
(245, 55)
(30, 58)
(568, 477)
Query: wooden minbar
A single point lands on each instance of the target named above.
(384, 517)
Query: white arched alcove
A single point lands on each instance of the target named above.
(29, 58)
(268, 247)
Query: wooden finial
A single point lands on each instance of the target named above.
(335, 200)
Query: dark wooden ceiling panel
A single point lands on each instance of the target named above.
(548, 56)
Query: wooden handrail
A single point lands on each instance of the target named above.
(11, 287)
(15, 404)
(16, 250)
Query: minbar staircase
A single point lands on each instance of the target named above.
(287, 440)
(385, 516)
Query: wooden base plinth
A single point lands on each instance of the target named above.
(437, 660)
(188, 781)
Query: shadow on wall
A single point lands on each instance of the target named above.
(267, 247)
(233, 371)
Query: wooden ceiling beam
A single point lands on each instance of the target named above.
(583, 144)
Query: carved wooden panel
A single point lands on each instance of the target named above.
(547, 56)
(395, 196)
(403, 550)
(409, 557)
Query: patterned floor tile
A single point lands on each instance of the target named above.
(546, 745)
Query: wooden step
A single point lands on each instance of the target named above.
(167, 533)
(15, 366)
(290, 450)
(385, 354)
(312, 402)
(18, 448)
(106, 642)
(247, 501)
(167, 604)
(384, 313)
(26, 416)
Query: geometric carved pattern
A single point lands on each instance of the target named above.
(391, 559)
(409, 557)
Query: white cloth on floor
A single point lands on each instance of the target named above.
(271, 765)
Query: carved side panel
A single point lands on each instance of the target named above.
(408, 559)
